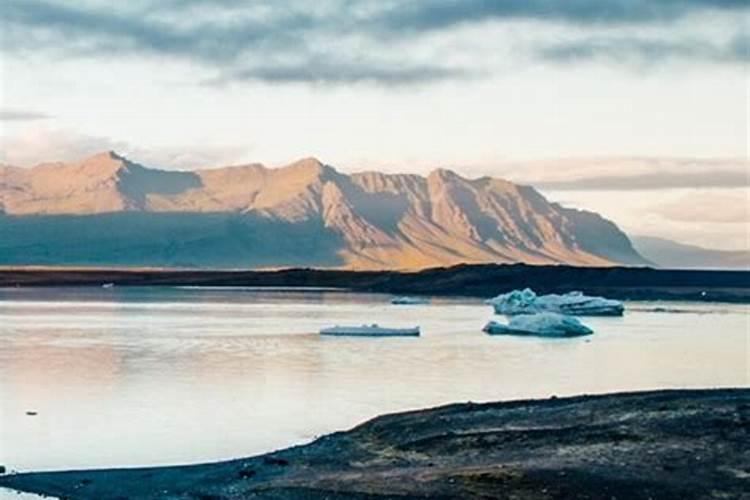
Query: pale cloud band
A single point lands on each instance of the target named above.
(628, 174)
(40, 144)
(731, 179)
(712, 207)
(20, 115)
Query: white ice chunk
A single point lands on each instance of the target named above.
(370, 331)
(544, 324)
(573, 303)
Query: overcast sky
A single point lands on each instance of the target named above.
(481, 86)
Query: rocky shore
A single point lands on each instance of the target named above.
(684, 444)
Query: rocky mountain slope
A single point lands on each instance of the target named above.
(107, 209)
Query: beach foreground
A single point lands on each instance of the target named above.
(663, 444)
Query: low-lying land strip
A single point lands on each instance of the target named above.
(464, 280)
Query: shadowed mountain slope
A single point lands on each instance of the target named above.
(108, 210)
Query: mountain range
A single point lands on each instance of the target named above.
(108, 210)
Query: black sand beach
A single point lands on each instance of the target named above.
(684, 444)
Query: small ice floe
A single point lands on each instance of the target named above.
(409, 301)
(572, 303)
(671, 310)
(370, 331)
(545, 324)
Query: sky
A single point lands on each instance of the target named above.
(634, 108)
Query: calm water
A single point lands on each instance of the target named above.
(126, 377)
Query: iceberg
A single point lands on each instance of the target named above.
(572, 303)
(370, 331)
(409, 301)
(545, 324)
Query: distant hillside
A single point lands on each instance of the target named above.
(670, 254)
(107, 210)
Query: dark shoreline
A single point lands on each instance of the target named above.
(462, 280)
(685, 444)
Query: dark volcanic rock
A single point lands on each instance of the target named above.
(466, 280)
(659, 445)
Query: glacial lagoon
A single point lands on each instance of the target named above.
(145, 376)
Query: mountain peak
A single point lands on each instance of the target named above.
(105, 163)
(309, 162)
(443, 174)
(106, 155)
(114, 155)
(310, 167)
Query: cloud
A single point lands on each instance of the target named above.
(434, 15)
(105, 29)
(629, 174)
(652, 181)
(343, 72)
(21, 115)
(41, 144)
(241, 48)
(646, 51)
(281, 42)
(720, 208)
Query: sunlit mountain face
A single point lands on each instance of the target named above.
(108, 210)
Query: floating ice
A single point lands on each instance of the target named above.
(545, 324)
(411, 301)
(573, 303)
(370, 331)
